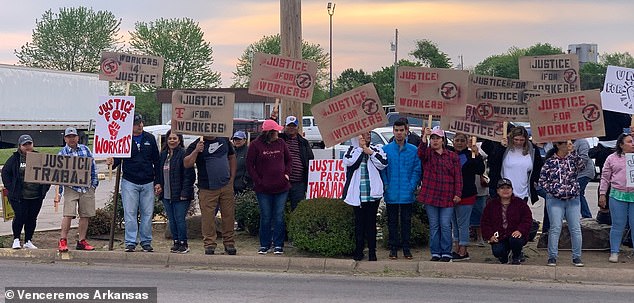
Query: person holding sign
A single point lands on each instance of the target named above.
(77, 198)
(269, 164)
(401, 178)
(440, 191)
(621, 197)
(25, 198)
(364, 190)
(177, 183)
(139, 185)
(558, 177)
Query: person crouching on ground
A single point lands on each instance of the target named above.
(363, 190)
(506, 222)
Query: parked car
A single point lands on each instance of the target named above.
(311, 132)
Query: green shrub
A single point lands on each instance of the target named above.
(100, 223)
(419, 236)
(324, 226)
(248, 212)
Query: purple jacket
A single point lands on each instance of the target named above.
(267, 163)
(518, 217)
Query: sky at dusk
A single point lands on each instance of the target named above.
(362, 30)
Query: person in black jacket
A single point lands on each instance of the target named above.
(177, 184)
(25, 198)
(301, 153)
(242, 181)
(139, 185)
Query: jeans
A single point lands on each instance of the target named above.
(393, 211)
(545, 221)
(176, 212)
(501, 249)
(476, 212)
(137, 199)
(365, 226)
(25, 215)
(297, 193)
(585, 210)
(439, 230)
(272, 215)
(557, 210)
(620, 212)
(460, 223)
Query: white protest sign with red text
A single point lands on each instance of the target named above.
(283, 77)
(326, 179)
(350, 114)
(113, 127)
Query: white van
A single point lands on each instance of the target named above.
(311, 132)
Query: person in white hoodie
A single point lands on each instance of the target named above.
(363, 190)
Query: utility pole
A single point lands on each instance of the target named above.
(291, 46)
(331, 11)
(395, 49)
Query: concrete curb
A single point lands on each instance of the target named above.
(336, 266)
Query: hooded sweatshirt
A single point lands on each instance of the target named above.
(267, 164)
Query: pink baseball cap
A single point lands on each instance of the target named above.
(271, 125)
(438, 132)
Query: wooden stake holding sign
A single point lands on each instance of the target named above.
(505, 125)
(473, 143)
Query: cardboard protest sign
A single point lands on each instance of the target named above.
(283, 77)
(421, 90)
(500, 99)
(202, 113)
(554, 74)
(629, 169)
(138, 69)
(113, 127)
(618, 90)
(566, 116)
(471, 124)
(56, 169)
(326, 179)
(350, 114)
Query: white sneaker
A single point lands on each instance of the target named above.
(29, 245)
(16, 244)
(614, 258)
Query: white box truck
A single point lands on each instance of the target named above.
(42, 103)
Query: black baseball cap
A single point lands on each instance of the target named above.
(138, 118)
(504, 181)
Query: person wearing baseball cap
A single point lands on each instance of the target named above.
(77, 200)
(25, 198)
(242, 181)
(301, 154)
(506, 222)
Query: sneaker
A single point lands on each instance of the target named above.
(183, 248)
(210, 250)
(516, 262)
(407, 254)
(130, 248)
(16, 244)
(263, 250)
(614, 257)
(83, 245)
(29, 245)
(63, 245)
(445, 259)
(457, 258)
(147, 248)
(175, 247)
(577, 262)
(231, 250)
(552, 262)
(278, 250)
(393, 254)
(435, 258)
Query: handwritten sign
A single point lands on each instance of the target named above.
(113, 127)
(473, 125)
(138, 69)
(618, 90)
(202, 113)
(554, 74)
(563, 117)
(350, 114)
(56, 169)
(283, 77)
(326, 179)
(421, 90)
(629, 169)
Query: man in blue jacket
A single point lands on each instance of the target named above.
(400, 178)
(139, 185)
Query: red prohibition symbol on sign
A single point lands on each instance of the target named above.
(109, 66)
(370, 107)
(484, 111)
(591, 113)
(449, 90)
(303, 80)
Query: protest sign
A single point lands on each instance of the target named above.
(629, 169)
(138, 69)
(553, 74)
(563, 117)
(202, 113)
(113, 127)
(283, 77)
(500, 99)
(618, 90)
(326, 179)
(350, 114)
(471, 124)
(421, 90)
(57, 169)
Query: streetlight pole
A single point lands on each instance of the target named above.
(395, 50)
(331, 11)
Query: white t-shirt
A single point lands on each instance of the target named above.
(517, 168)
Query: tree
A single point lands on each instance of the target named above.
(272, 45)
(429, 55)
(188, 57)
(618, 59)
(384, 80)
(592, 75)
(71, 40)
(507, 65)
(350, 79)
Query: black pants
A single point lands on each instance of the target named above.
(365, 226)
(394, 211)
(26, 211)
(501, 249)
(297, 193)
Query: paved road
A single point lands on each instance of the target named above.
(186, 285)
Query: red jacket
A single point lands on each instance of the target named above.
(518, 216)
(267, 163)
